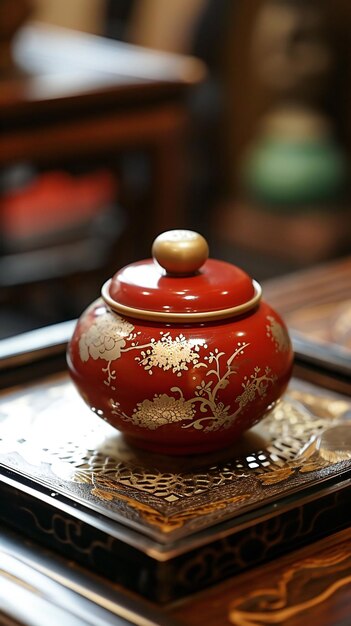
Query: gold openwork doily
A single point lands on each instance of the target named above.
(47, 433)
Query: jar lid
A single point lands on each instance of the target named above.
(180, 283)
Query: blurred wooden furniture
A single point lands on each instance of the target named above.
(273, 235)
(287, 241)
(80, 98)
(246, 98)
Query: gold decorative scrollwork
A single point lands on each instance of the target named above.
(68, 532)
(168, 523)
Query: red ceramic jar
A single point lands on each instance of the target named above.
(180, 353)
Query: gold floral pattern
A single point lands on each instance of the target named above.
(167, 353)
(277, 333)
(105, 338)
(255, 385)
(110, 336)
(219, 415)
(161, 410)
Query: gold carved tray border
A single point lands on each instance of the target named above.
(48, 435)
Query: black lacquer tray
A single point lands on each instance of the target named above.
(166, 527)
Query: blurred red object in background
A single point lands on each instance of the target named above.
(55, 201)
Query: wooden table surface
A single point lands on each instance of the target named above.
(316, 304)
(310, 586)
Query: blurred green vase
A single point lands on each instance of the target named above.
(291, 171)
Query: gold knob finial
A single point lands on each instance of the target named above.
(180, 251)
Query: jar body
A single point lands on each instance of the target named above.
(180, 389)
